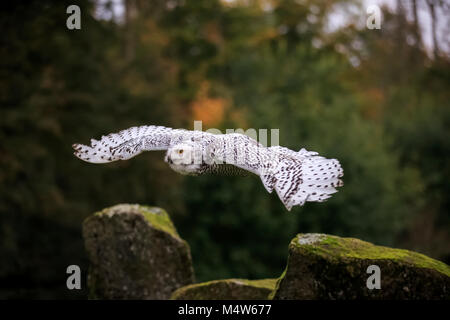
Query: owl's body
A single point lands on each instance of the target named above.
(297, 177)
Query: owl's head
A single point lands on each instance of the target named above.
(185, 157)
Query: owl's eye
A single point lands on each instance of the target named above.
(180, 151)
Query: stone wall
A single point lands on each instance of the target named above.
(136, 253)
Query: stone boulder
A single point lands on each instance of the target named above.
(135, 252)
(228, 289)
(328, 267)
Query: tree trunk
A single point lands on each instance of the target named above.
(417, 24)
(129, 39)
(431, 6)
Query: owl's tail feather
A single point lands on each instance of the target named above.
(303, 176)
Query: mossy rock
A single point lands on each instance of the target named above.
(329, 267)
(135, 252)
(228, 289)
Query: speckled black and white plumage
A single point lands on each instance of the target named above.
(296, 177)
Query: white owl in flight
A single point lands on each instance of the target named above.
(297, 177)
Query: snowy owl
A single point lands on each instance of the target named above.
(297, 177)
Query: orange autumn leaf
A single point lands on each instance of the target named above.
(209, 110)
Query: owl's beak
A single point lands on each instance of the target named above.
(168, 159)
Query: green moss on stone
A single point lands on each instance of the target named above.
(333, 247)
(277, 284)
(156, 217)
(226, 289)
(263, 283)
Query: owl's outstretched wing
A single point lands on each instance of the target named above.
(129, 143)
(297, 177)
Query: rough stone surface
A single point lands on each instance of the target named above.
(228, 289)
(329, 267)
(135, 253)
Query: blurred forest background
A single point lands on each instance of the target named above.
(377, 100)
